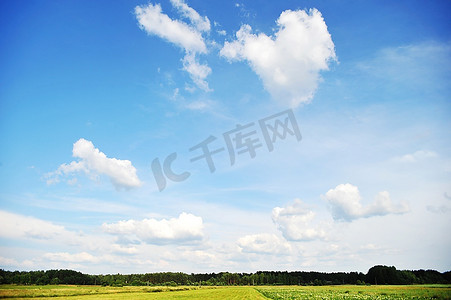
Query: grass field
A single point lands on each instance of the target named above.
(234, 292)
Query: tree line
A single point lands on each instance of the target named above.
(375, 275)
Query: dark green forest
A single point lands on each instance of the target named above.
(375, 275)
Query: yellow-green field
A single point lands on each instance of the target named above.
(234, 292)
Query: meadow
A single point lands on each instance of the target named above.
(230, 292)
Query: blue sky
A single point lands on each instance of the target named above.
(91, 93)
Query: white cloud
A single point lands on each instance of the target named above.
(290, 61)
(294, 222)
(152, 20)
(4, 261)
(124, 250)
(197, 71)
(263, 243)
(416, 156)
(201, 23)
(199, 255)
(196, 105)
(185, 228)
(93, 162)
(17, 264)
(15, 226)
(199, 105)
(345, 203)
(18, 226)
(74, 258)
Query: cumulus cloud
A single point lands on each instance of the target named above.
(188, 37)
(288, 62)
(93, 162)
(185, 228)
(263, 243)
(345, 204)
(416, 156)
(294, 221)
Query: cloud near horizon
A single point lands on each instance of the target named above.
(19, 226)
(345, 204)
(185, 228)
(264, 243)
(294, 221)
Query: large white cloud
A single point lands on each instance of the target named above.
(345, 204)
(264, 243)
(288, 62)
(185, 228)
(94, 162)
(294, 221)
(188, 37)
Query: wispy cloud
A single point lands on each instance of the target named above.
(20, 227)
(201, 23)
(68, 257)
(188, 37)
(416, 156)
(422, 67)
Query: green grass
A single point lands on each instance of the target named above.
(23, 291)
(236, 292)
(358, 292)
(127, 292)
